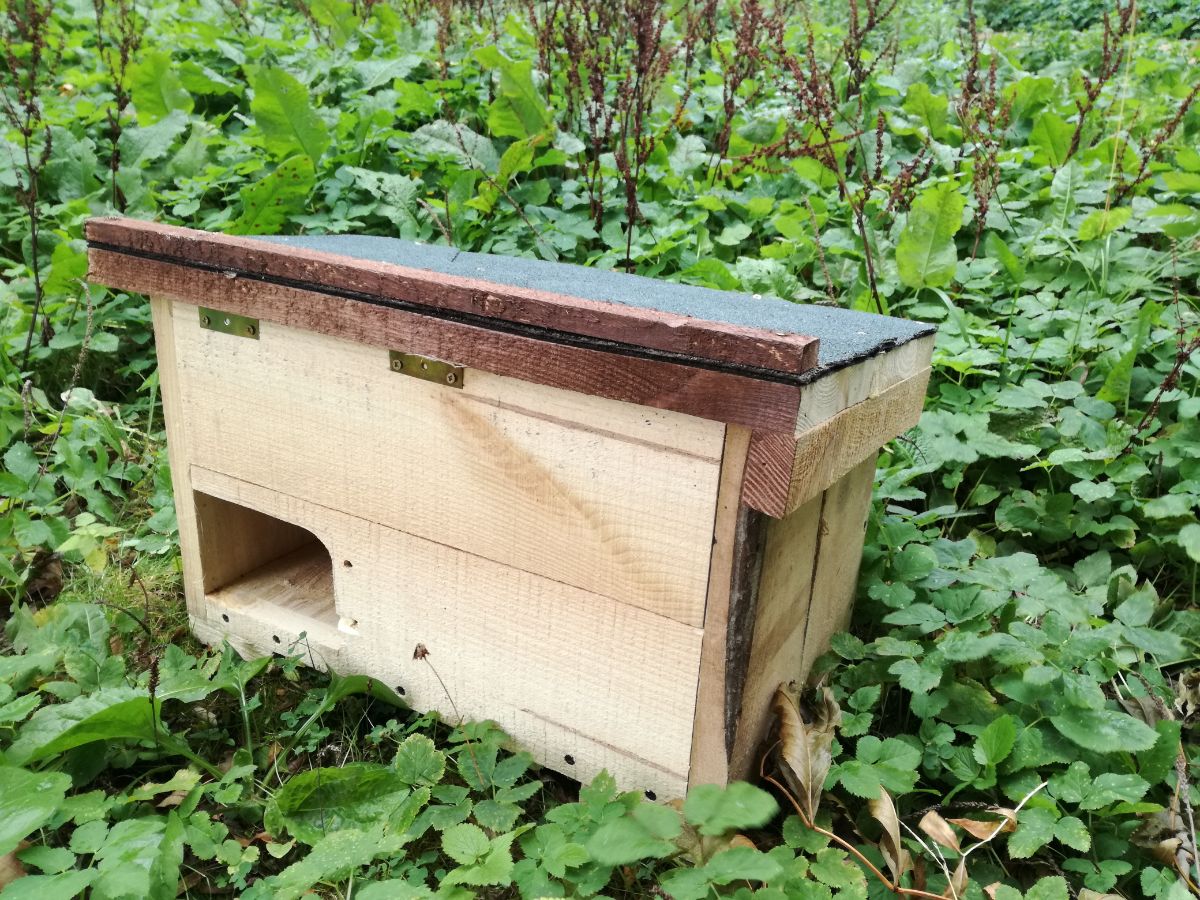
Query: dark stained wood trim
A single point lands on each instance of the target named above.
(749, 544)
(768, 480)
(721, 396)
(704, 340)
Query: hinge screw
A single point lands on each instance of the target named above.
(205, 320)
(250, 329)
(397, 365)
(451, 378)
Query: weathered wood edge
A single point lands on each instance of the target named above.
(701, 339)
(761, 405)
(843, 418)
(709, 756)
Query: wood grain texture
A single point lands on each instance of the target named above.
(178, 454)
(843, 529)
(843, 417)
(566, 672)
(782, 611)
(615, 499)
(718, 396)
(709, 756)
(792, 353)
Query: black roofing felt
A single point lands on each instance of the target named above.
(846, 336)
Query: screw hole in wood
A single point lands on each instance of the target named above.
(569, 759)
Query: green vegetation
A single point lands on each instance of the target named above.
(1022, 678)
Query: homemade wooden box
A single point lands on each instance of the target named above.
(614, 513)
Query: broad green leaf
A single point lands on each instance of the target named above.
(740, 806)
(48, 860)
(519, 110)
(1117, 383)
(108, 714)
(27, 802)
(1013, 265)
(269, 203)
(1053, 887)
(1053, 137)
(358, 795)
(1189, 540)
(146, 144)
(1104, 730)
(930, 108)
(20, 460)
(156, 88)
(458, 142)
(1103, 222)
(284, 113)
(995, 742)
(63, 886)
(925, 254)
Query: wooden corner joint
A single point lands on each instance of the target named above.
(784, 471)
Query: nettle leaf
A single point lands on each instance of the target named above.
(357, 795)
(1104, 730)
(1189, 540)
(283, 112)
(925, 254)
(714, 810)
(28, 800)
(269, 203)
(61, 886)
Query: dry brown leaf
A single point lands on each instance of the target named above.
(958, 881)
(740, 840)
(986, 830)
(897, 858)
(10, 867)
(1085, 894)
(990, 890)
(939, 829)
(805, 746)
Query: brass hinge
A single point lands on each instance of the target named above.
(426, 369)
(228, 323)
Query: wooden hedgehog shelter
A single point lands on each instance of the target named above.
(616, 512)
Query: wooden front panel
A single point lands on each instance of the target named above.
(614, 499)
(581, 681)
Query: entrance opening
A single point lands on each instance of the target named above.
(262, 566)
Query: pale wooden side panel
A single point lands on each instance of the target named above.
(709, 757)
(178, 452)
(619, 504)
(784, 595)
(566, 672)
(843, 529)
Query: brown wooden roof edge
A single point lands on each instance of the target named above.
(750, 351)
